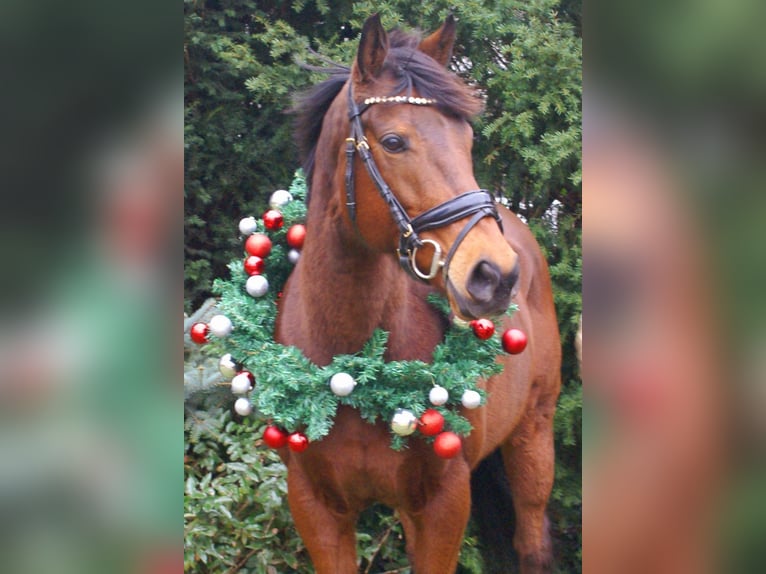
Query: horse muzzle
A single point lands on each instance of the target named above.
(488, 291)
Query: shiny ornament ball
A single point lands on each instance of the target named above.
(471, 399)
(514, 341)
(248, 225)
(447, 444)
(220, 325)
(280, 198)
(199, 332)
(297, 442)
(342, 384)
(483, 328)
(257, 286)
(242, 383)
(259, 245)
(253, 265)
(404, 422)
(273, 220)
(274, 437)
(243, 407)
(293, 255)
(438, 396)
(228, 366)
(431, 422)
(296, 235)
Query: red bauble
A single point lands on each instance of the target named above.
(254, 265)
(273, 220)
(259, 245)
(483, 328)
(297, 442)
(296, 235)
(198, 333)
(514, 341)
(431, 422)
(447, 444)
(274, 437)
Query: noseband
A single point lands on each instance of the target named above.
(477, 204)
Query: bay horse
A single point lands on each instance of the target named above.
(387, 154)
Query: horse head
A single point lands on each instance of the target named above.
(409, 119)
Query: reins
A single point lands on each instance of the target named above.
(477, 203)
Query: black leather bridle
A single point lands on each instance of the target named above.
(477, 203)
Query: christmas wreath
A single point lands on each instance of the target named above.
(299, 397)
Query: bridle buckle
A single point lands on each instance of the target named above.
(436, 261)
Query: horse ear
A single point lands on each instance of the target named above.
(373, 48)
(439, 44)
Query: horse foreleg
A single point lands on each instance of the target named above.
(435, 528)
(529, 462)
(329, 533)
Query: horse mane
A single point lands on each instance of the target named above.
(412, 69)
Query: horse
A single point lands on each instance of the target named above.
(386, 145)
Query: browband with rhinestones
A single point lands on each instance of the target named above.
(399, 100)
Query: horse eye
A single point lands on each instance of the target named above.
(393, 143)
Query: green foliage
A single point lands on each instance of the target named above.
(526, 58)
(235, 518)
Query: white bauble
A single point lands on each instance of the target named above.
(243, 407)
(342, 384)
(293, 255)
(471, 399)
(404, 422)
(227, 366)
(248, 225)
(280, 198)
(438, 396)
(240, 384)
(257, 286)
(220, 325)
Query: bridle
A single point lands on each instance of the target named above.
(477, 203)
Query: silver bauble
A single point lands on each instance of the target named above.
(404, 422)
(438, 396)
(342, 384)
(240, 384)
(257, 286)
(228, 366)
(293, 255)
(220, 325)
(248, 225)
(471, 399)
(243, 407)
(280, 198)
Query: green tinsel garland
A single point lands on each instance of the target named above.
(295, 394)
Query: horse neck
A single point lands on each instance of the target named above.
(346, 289)
(346, 292)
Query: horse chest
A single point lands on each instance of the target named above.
(354, 466)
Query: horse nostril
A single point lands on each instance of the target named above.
(484, 281)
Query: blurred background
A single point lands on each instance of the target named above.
(674, 182)
(91, 177)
